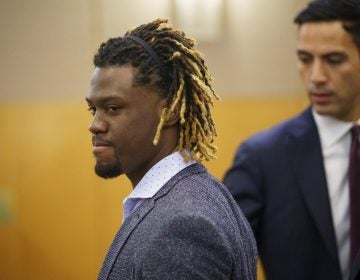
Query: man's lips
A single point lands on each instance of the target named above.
(321, 97)
(99, 149)
(100, 142)
(100, 145)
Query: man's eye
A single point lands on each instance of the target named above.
(304, 59)
(335, 59)
(92, 110)
(112, 108)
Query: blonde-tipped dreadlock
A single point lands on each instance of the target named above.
(180, 75)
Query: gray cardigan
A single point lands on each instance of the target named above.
(191, 229)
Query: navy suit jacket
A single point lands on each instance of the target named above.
(191, 229)
(278, 180)
(355, 270)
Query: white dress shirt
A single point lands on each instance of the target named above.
(335, 141)
(154, 180)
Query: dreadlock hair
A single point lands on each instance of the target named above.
(178, 72)
(347, 11)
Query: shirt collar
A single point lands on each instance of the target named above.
(331, 130)
(158, 175)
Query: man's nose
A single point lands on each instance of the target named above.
(97, 125)
(318, 73)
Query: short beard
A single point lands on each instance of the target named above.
(108, 171)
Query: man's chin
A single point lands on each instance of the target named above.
(108, 171)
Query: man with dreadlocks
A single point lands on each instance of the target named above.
(150, 97)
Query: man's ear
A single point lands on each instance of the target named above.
(170, 118)
(173, 117)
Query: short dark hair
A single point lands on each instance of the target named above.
(347, 11)
(178, 72)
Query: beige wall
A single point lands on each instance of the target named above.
(45, 50)
(47, 46)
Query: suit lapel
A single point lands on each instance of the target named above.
(122, 235)
(135, 218)
(306, 158)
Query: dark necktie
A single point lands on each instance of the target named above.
(354, 190)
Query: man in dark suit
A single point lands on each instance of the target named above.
(150, 97)
(292, 181)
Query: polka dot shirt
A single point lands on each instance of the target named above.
(154, 180)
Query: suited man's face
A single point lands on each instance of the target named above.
(329, 65)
